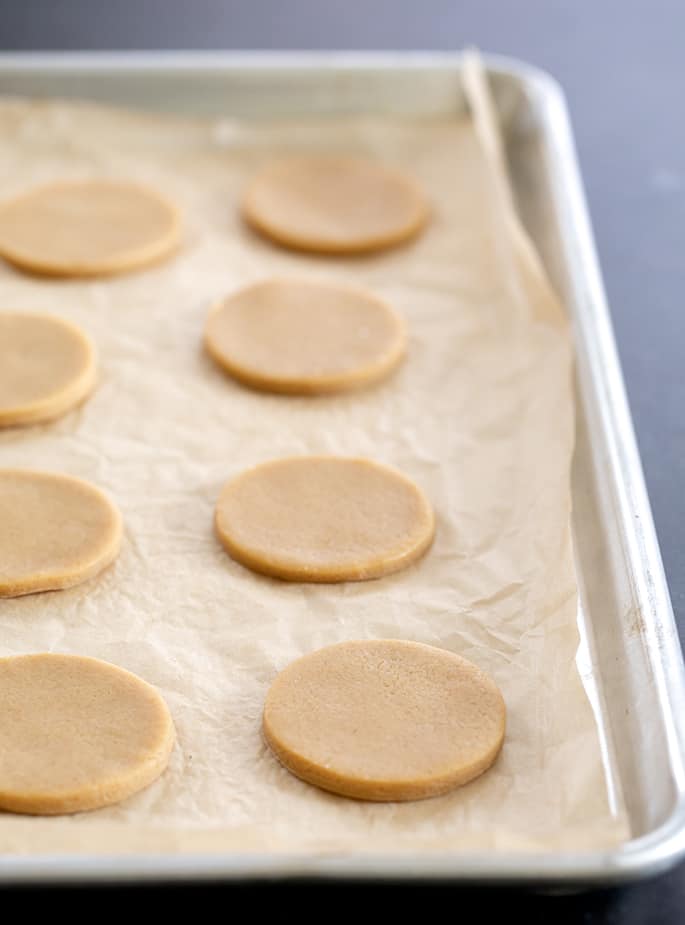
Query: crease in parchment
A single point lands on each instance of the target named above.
(480, 415)
(527, 279)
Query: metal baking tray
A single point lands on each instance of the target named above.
(630, 657)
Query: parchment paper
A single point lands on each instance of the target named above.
(480, 415)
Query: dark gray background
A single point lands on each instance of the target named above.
(622, 65)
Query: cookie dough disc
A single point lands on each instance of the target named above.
(335, 205)
(87, 228)
(55, 531)
(77, 733)
(305, 338)
(47, 367)
(324, 518)
(384, 720)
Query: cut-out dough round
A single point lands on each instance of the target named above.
(384, 720)
(55, 531)
(87, 228)
(77, 733)
(47, 367)
(335, 205)
(306, 338)
(324, 519)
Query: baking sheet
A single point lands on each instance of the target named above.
(480, 415)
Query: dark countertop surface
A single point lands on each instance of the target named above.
(622, 65)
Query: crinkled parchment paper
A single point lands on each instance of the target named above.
(480, 415)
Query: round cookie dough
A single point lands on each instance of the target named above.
(306, 338)
(87, 228)
(47, 367)
(384, 720)
(55, 531)
(77, 733)
(324, 519)
(335, 205)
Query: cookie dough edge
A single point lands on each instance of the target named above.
(376, 791)
(361, 247)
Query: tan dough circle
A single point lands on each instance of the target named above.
(55, 531)
(87, 228)
(324, 519)
(77, 733)
(306, 338)
(384, 720)
(47, 367)
(335, 205)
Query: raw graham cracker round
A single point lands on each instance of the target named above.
(301, 337)
(324, 519)
(335, 205)
(384, 720)
(77, 733)
(55, 531)
(82, 228)
(47, 367)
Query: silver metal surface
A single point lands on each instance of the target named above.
(634, 664)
